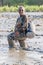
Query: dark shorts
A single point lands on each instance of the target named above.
(13, 37)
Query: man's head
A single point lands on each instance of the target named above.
(21, 10)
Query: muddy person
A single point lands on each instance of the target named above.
(20, 29)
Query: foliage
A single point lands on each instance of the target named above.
(31, 8)
(23, 2)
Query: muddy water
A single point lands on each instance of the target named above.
(18, 56)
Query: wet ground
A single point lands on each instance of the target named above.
(21, 57)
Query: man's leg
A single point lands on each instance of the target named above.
(22, 43)
(10, 40)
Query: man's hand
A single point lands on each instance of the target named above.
(16, 33)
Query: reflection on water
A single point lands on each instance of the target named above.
(21, 57)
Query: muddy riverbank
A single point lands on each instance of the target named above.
(21, 57)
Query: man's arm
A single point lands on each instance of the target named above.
(25, 23)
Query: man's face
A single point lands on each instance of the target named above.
(21, 11)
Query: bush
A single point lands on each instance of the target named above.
(27, 8)
(13, 9)
(32, 8)
(41, 8)
(5, 8)
(1, 9)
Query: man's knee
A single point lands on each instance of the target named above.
(9, 37)
(22, 43)
(10, 41)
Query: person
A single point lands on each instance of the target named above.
(30, 28)
(20, 29)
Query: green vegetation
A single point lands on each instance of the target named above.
(23, 2)
(28, 8)
(30, 5)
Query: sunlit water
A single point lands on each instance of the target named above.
(21, 57)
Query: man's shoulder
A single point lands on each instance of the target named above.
(25, 16)
(18, 18)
